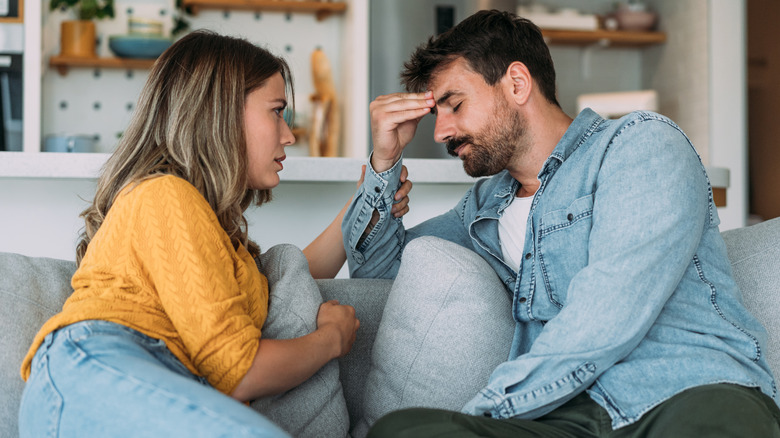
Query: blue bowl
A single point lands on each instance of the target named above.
(138, 46)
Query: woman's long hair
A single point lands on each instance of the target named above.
(189, 122)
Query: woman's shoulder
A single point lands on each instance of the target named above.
(163, 188)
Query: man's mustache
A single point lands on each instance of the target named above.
(456, 143)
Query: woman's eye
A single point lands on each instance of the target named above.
(455, 109)
(279, 111)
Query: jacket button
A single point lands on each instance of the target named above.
(528, 256)
(377, 189)
(487, 414)
(522, 299)
(570, 217)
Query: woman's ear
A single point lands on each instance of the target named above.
(519, 82)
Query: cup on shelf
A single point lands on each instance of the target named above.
(69, 143)
(144, 26)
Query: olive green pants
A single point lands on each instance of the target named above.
(721, 410)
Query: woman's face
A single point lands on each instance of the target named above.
(266, 133)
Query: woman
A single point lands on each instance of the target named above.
(168, 302)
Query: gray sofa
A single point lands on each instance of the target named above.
(33, 289)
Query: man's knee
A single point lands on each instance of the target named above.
(716, 410)
(404, 422)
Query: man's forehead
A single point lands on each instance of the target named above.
(453, 78)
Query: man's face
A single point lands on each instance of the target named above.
(475, 120)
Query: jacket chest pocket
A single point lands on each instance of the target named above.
(563, 246)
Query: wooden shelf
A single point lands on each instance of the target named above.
(608, 38)
(63, 63)
(322, 9)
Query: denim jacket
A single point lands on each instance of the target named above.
(625, 290)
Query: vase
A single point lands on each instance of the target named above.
(77, 39)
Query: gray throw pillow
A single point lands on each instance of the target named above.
(446, 325)
(317, 407)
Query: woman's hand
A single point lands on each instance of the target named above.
(339, 323)
(401, 198)
(401, 204)
(282, 364)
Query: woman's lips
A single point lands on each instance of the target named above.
(279, 161)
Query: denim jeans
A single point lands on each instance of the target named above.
(98, 378)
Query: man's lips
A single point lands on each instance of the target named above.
(457, 146)
(456, 150)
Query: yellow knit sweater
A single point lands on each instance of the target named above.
(162, 264)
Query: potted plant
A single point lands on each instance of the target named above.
(77, 37)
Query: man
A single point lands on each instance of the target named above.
(605, 234)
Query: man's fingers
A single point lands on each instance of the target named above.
(409, 106)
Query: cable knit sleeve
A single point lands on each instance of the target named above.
(200, 278)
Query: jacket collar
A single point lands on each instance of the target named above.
(581, 128)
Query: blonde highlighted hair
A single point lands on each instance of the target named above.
(189, 122)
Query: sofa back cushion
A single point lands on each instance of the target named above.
(754, 253)
(32, 290)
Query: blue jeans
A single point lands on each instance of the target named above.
(98, 378)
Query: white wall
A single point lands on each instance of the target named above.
(728, 108)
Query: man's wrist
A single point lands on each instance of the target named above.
(382, 165)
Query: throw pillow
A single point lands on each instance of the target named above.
(317, 407)
(446, 325)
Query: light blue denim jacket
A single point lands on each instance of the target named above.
(625, 290)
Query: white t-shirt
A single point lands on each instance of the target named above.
(511, 230)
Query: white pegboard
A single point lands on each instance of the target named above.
(100, 102)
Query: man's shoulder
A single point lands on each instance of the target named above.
(644, 120)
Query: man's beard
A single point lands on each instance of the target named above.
(491, 150)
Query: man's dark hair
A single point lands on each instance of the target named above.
(489, 41)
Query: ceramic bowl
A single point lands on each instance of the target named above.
(635, 20)
(138, 46)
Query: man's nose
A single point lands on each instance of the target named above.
(444, 128)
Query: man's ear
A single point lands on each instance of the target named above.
(518, 82)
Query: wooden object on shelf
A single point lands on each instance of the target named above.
(63, 63)
(615, 38)
(321, 9)
(326, 119)
(719, 196)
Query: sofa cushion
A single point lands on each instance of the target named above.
(368, 297)
(446, 325)
(316, 408)
(31, 291)
(754, 253)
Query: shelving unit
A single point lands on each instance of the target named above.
(84, 166)
(615, 38)
(553, 37)
(321, 9)
(63, 63)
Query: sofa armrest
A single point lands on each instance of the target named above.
(32, 290)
